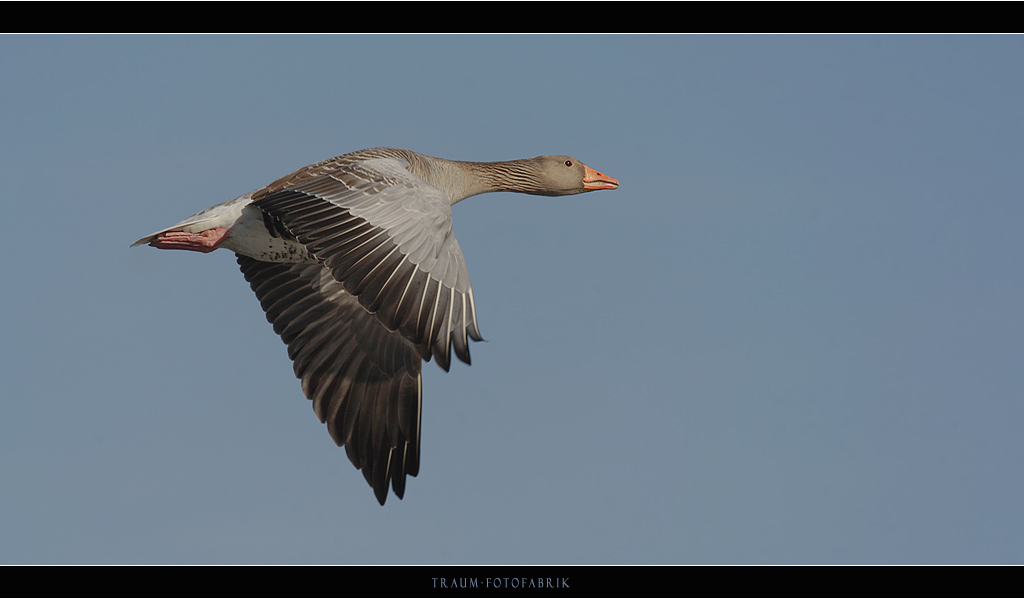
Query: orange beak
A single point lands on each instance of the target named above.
(595, 180)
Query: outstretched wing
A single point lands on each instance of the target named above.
(386, 235)
(363, 379)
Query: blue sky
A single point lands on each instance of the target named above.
(793, 335)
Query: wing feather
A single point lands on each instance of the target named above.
(386, 235)
(363, 380)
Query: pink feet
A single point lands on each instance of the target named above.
(204, 241)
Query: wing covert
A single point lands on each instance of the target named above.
(386, 235)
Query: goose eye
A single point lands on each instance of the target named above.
(568, 163)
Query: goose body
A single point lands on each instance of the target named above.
(354, 261)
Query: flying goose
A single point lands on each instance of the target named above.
(354, 261)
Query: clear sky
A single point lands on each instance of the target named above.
(795, 333)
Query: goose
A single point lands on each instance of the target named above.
(354, 261)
